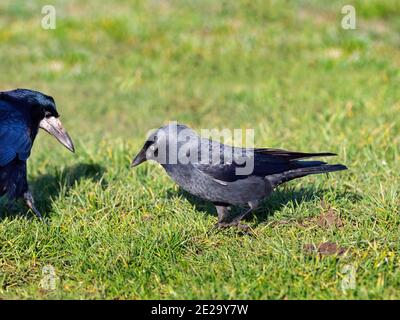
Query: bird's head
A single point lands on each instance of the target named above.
(43, 112)
(163, 144)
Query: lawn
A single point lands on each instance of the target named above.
(286, 69)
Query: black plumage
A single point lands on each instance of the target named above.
(22, 113)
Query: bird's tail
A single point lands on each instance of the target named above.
(277, 179)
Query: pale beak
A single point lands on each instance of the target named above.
(53, 126)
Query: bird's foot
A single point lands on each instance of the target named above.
(226, 221)
(235, 223)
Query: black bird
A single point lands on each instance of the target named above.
(22, 113)
(223, 174)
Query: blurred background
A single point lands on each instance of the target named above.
(276, 66)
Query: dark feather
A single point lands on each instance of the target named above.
(291, 155)
(286, 176)
(13, 180)
(15, 135)
(266, 162)
(15, 147)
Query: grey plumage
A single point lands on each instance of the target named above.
(214, 177)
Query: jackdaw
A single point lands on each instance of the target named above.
(223, 174)
(22, 113)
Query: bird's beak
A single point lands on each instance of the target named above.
(140, 157)
(53, 126)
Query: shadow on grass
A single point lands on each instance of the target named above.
(278, 199)
(48, 186)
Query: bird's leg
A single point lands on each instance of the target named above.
(253, 205)
(31, 204)
(236, 221)
(224, 220)
(223, 214)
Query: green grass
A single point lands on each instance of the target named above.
(285, 68)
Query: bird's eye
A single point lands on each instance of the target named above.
(154, 149)
(47, 114)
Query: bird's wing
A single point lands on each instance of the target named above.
(265, 162)
(233, 171)
(217, 161)
(290, 155)
(14, 140)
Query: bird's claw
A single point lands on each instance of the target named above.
(31, 205)
(242, 227)
(37, 213)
